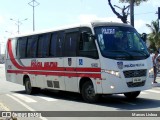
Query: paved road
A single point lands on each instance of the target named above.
(13, 98)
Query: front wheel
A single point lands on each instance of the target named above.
(88, 92)
(132, 95)
(29, 89)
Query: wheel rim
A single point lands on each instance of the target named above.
(90, 93)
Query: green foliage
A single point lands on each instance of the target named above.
(118, 34)
(154, 36)
(137, 2)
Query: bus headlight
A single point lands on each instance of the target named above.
(112, 72)
(151, 73)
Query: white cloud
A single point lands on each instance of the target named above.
(141, 27)
(89, 17)
(1, 19)
(111, 19)
(140, 24)
(154, 3)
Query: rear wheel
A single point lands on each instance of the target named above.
(132, 95)
(88, 92)
(29, 89)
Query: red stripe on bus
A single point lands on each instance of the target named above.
(11, 55)
(91, 75)
(73, 69)
(88, 69)
(83, 69)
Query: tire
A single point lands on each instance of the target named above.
(88, 92)
(29, 89)
(132, 95)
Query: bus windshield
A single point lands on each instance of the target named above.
(120, 43)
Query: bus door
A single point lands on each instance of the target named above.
(70, 59)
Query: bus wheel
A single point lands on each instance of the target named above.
(132, 95)
(88, 92)
(29, 89)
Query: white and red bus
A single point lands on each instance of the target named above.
(92, 59)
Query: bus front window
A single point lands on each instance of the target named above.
(120, 43)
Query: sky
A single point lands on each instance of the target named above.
(50, 14)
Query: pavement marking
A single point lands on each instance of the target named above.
(26, 106)
(154, 91)
(30, 100)
(125, 101)
(156, 85)
(120, 94)
(47, 98)
(144, 93)
(3, 107)
(24, 98)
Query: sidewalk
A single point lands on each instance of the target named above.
(158, 81)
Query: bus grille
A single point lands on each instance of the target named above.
(138, 84)
(135, 73)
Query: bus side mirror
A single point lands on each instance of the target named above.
(144, 37)
(86, 37)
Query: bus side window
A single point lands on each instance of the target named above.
(70, 47)
(87, 46)
(21, 47)
(53, 45)
(43, 43)
(59, 44)
(32, 46)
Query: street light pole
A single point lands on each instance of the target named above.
(158, 17)
(33, 4)
(18, 23)
(9, 32)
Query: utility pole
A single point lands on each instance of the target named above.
(18, 23)
(132, 12)
(33, 4)
(158, 13)
(158, 16)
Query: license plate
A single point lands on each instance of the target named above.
(137, 79)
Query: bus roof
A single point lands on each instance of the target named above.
(104, 23)
(87, 24)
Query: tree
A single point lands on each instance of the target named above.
(154, 36)
(152, 45)
(136, 2)
(132, 2)
(124, 15)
